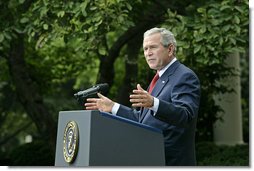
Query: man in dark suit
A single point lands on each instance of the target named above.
(170, 104)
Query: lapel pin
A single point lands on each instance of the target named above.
(163, 82)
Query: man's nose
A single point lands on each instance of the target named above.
(149, 52)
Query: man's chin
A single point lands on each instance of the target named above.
(152, 66)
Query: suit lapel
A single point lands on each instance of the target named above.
(163, 80)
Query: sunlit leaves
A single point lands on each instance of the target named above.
(60, 14)
(86, 16)
(24, 20)
(216, 32)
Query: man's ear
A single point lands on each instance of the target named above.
(171, 48)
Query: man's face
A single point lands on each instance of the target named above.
(157, 56)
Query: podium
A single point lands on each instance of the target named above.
(93, 138)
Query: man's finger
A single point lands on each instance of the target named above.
(135, 100)
(91, 99)
(89, 104)
(137, 96)
(91, 108)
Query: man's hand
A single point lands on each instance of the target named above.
(102, 103)
(141, 98)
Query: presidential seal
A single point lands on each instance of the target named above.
(70, 141)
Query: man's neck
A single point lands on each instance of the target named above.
(166, 67)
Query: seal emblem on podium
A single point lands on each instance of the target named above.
(70, 141)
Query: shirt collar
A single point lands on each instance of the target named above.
(166, 67)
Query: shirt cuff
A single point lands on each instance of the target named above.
(155, 105)
(115, 108)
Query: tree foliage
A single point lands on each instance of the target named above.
(205, 40)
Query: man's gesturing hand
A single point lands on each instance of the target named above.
(141, 98)
(102, 103)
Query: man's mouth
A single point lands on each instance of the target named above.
(151, 60)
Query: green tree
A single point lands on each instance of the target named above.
(205, 39)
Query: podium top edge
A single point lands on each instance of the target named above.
(131, 122)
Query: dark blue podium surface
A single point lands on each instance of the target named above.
(108, 140)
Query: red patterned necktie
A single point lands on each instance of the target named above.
(152, 84)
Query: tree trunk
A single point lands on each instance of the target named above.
(28, 92)
(131, 70)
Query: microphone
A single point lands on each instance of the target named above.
(93, 90)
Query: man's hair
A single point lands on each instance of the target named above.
(167, 37)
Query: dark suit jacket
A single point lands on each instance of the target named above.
(178, 91)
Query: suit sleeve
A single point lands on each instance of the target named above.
(182, 107)
(128, 113)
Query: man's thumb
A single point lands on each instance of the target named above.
(100, 95)
(139, 87)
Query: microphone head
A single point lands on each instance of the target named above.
(81, 96)
(103, 87)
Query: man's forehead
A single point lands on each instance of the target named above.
(151, 40)
(153, 35)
